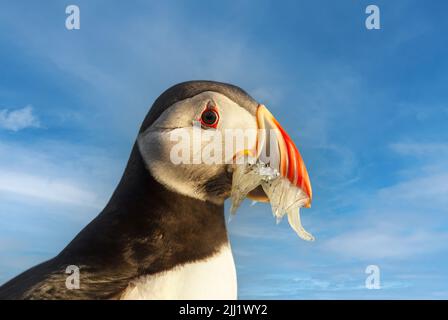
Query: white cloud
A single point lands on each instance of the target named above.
(57, 172)
(376, 243)
(421, 149)
(402, 220)
(423, 184)
(19, 119)
(46, 188)
(429, 192)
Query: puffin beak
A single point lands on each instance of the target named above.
(275, 148)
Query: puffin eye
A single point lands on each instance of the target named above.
(209, 118)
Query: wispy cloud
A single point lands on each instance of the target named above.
(18, 119)
(55, 171)
(49, 189)
(377, 243)
(402, 220)
(336, 284)
(419, 149)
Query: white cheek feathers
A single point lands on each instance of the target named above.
(189, 170)
(186, 179)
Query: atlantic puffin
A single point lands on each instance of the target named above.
(162, 235)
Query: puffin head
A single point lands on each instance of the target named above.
(197, 132)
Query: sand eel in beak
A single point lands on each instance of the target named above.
(277, 166)
(162, 234)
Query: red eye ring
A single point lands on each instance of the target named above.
(209, 118)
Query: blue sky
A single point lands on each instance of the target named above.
(367, 109)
